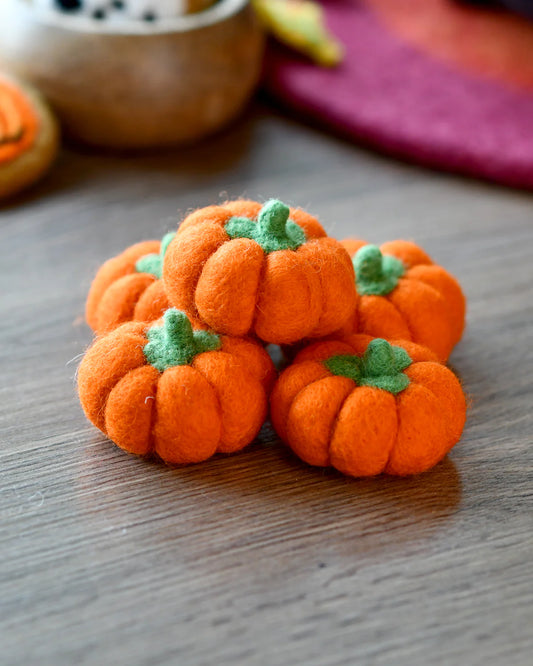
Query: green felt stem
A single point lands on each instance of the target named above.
(274, 230)
(175, 342)
(375, 273)
(273, 218)
(381, 366)
(153, 263)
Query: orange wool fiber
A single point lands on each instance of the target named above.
(151, 303)
(308, 428)
(167, 389)
(365, 431)
(119, 293)
(403, 294)
(253, 358)
(356, 343)
(227, 287)
(268, 271)
(364, 406)
(237, 396)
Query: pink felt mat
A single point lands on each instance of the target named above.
(410, 95)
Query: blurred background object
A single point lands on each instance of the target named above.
(524, 7)
(28, 136)
(300, 25)
(442, 83)
(124, 10)
(137, 84)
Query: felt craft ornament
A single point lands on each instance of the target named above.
(28, 137)
(403, 294)
(128, 287)
(167, 389)
(367, 406)
(269, 271)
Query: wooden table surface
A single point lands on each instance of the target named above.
(257, 558)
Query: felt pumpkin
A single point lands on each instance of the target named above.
(29, 136)
(269, 271)
(403, 294)
(164, 388)
(366, 406)
(128, 287)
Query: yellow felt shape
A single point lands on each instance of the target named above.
(300, 25)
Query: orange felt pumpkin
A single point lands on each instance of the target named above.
(128, 287)
(269, 271)
(403, 294)
(163, 388)
(366, 406)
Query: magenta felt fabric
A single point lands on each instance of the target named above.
(389, 94)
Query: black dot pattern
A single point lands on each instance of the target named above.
(100, 13)
(69, 5)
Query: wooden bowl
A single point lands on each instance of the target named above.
(140, 85)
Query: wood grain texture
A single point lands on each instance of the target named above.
(257, 559)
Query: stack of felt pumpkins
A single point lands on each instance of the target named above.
(179, 367)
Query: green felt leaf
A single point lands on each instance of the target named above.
(153, 263)
(273, 231)
(175, 342)
(376, 274)
(381, 366)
